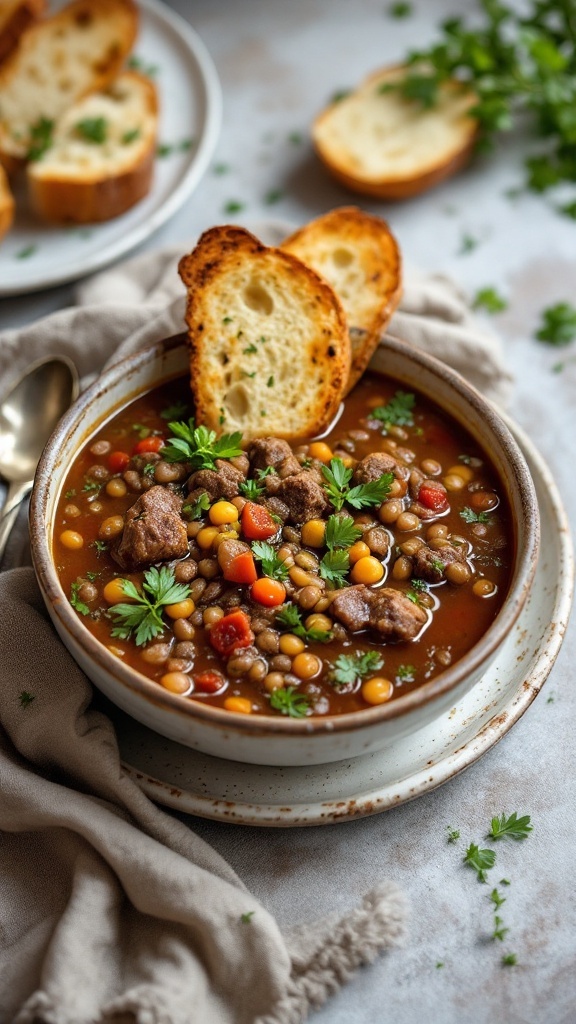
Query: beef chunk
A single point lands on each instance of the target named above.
(371, 467)
(153, 531)
(385, 610)
(377, 539)
(430, 565)
(268, 451)
(304, 496)
(288, 467)
(277, 507)
(222, 482)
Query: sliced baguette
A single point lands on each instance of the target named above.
(61, 59)
(6, 204)
(15, 17)
(380, 144)
(359, 257)
(269, 346)
(80, 180)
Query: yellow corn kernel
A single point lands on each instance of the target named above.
(239, 704)
(357, 551)
(182, 609)
(313, 533)
(321, 451)
(223, 512)
(72, 540)
(205, 538)
(367, 570)
(377, 690)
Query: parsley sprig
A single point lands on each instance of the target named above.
(558, 325)
(511, 827)
(144, 616)
(339, 492)
(196, 509)
(270, 563)
(92, 129)
(348, 668)
(289, 702)
(76, 601)
(396, 412)
(40, 138)
(340, 534)
(199, 446)
(479, 860)
(289, 617)
(470, 516)
(253, 488)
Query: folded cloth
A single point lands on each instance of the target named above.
(110, 908)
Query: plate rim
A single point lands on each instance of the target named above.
(423, 781)
(212, 104)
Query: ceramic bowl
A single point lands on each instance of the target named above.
(277, 740)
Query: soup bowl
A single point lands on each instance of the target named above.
(275, 739)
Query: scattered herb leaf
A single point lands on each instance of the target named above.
(76, 602)
(270, 563)
(199, 446)
(490, 300)
(144, 615)
(349, 667)
(289, 617)
(511, 827)
(396, 412)
(479, 860)
(289, 702)
(26, 698)
(558, 326)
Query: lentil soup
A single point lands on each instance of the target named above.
(312, 578)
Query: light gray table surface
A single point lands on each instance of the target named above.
(278, 63)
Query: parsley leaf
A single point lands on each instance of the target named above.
(396, 412)
(339, 492)
(509, 959)
(172, 412)
(479, 860)
(289, 702)
(199, 446)
(490, 300)
(195, 509)
(144, 614)
(512, 827)
(349, 667)
(289, 617)
(340, 532)
(499, 932)
(76, 602)
(92, 129)
(453, 834)
(470, 516)
(558, 326)
(270, 563)
(496, 898)
(40, 138)
(400, 9)
(26, 698)
(334, 567)
(247, 917)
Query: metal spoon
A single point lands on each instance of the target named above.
(28, 415)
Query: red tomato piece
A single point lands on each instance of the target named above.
(208, 682)
(118, 461)
(434, 498)
(149, 444)
(257, 523)
(231, 632)
(241, 569)
(268, 592)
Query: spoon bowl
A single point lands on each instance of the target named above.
(28, 415)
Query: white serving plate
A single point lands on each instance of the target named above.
(408, 767)
(190, 108)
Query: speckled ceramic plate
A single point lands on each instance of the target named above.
(35, 255)
(257, 795)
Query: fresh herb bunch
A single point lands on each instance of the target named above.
(289, 617)
(339, 492)
(199, 446)
(144, 615)
(516, 61)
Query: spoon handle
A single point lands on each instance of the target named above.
(16, 492)
(7, 520)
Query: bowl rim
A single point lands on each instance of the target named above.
(269, 725)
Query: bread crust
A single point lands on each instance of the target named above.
(370, 289)
(6, 205)
(23, 14)
(395, 185)
(227, 262)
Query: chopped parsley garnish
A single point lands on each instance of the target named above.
(221, 168)
(400, 9)
(92, 575)
(92, 129)
(144, 615)
(349, 667)
(337, 486)
(466, 459)
(270, 382)
(470, 516)
(339, 95)
(71, 493)
(396, 412)
(509, 959)
(149, 469)
(467, 244)
(131, 136)
(142, 430)
(233, 206)
(40, 138)
(489, 300)
(340, 532)
(247, 917)
(26, 252)
(453, 834)
(295, 138)
(100, 546)
(253, 488)
(496, 898)
(90, 486)
(289, 617)
(172, 412)
(195, 509)
(274, 195)
(289, 702)
(270, 563)
(76, 602)
(406, 673)
(419, 585)
(250, 350)
(512, 827)
(558, 326)
(164, 149)
(26, 698)
(199, 446)
(136, 63)
(334, 567)
(479, 860)
(499, 932)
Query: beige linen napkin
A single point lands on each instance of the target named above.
(108, 905)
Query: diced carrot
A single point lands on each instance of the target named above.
(434, 498)
(241, 569)
(231, 632)
(117, 461)
(268, 592)
(257, 523)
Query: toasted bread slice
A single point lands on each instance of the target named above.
(359, 257)
(380, 144)
(15, 17)
(101, 159)
(269, 346)
(61, 59)
(6, 204)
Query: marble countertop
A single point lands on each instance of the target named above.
(279, 63)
